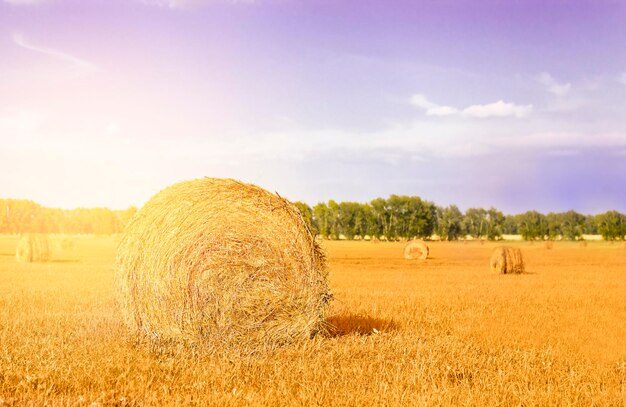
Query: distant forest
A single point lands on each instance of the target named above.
(22, 216)
(397, 217)
(405, 217)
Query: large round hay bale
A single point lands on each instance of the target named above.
(33, 247)
(416, 249)
(507, 260)
(222, 263)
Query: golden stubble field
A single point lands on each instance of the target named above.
(440, 332)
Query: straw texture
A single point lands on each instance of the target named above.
(416, 249)
(507, 260)
(222, 263)
(33, 247)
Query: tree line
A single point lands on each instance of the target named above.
(394, 218)
(407, 217)
(23, 216)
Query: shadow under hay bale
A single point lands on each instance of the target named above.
(223, 264)
(33, 247)
(416, 249)
(507, 260)
(346, 324)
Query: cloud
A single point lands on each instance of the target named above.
(498, 109)
(20, 41)
(432, 109)
(552, 85)
(622, 78)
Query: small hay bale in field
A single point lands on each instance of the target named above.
(548, 244)
(67, 243)
(507, 260)
(224, 264)
(416, 249)
(33, 247)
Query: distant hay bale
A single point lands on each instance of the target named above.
(224, 264)
(416, 249)
(507, 260)
(374, 240)
(33, 247)
(67, 243)
(548, 244)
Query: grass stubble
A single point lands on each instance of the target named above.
(442, 332)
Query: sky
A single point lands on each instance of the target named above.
(514, 104)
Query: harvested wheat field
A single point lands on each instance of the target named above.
(448, 332)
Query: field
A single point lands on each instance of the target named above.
(444, 331)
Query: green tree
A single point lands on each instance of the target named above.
(611, 225)
(321, 216)
(495, 224)
(572, 225)
(475, 222)
(449, 223)
(510, 225)
(307, 215)
(554, 222)
(532, 225)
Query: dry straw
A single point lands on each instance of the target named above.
(507, 260)
(33, 247)
(416, 249)
(224, 264)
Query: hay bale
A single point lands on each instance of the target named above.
(548, 244)
(33, 247)
(507, 260)
(67, 243)
(416, 249)
(224, 264)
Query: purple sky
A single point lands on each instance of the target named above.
(513, 104)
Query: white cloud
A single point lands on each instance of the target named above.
(432, 109)
(498, 109)
(552, 86)
(442, 111)
(420, 100)
(622, 78)
(20, 41)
